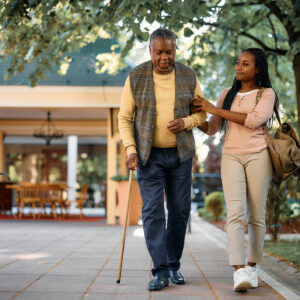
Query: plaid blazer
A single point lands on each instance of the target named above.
(142, 87)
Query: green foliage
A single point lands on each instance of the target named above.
(290, 207)
(108, 62)
(288, 250)
(214, 203)
(282, 205)
(295, 210)
(42, 32)
(205, 214)
(276, 205)
(292, 188)
(120, 177)
(91, 169)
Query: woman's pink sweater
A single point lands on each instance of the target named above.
(250, 137)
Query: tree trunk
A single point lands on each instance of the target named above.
(296, 65)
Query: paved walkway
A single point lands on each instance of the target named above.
(55, 260)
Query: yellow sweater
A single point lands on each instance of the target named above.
(164, 88)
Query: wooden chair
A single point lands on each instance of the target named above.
(51, 194)
(16, 187)
(28, 194)
(80, 201)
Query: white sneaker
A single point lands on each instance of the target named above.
(253, 271)
(241, 279)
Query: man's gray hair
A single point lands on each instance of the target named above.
(163, 33)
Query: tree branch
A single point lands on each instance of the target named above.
(249, 26)
(237, 4)
(273, 29)
(263, 45)
(243, 3)
(273, 8)
(271, 5)
(258, 41)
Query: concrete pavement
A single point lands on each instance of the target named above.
(57, 260)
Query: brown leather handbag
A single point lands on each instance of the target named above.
(284, 148)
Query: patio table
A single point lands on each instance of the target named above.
(43, 194)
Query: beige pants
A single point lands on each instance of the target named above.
(246, 179)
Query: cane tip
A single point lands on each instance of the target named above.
(118, 281)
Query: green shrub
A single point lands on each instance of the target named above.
(203, 213)
(214, 203)
(120, 177)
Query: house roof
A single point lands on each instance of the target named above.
(81, 71)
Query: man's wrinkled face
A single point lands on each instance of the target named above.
(162, 53)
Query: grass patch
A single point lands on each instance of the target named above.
(286, 250)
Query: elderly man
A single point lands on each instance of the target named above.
(155, 126)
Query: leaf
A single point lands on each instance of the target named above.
(143, 36)
(128, 46)
(188, 32)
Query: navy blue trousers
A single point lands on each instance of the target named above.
(165, 174)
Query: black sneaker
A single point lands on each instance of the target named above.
(158, 283)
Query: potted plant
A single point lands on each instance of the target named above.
(134, 212)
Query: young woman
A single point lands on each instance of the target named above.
(246, 168)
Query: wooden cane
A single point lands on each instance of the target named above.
(125, 226)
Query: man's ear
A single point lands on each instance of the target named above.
(150, 50)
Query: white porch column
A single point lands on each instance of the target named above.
(111, 207)
(72, 166)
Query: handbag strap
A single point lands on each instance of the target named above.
(258, 96)
(267, 134)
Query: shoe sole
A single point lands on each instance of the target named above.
(158, 289)
(149, 289)
(182, 282)
(242, 286)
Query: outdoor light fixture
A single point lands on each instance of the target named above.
(48, 131)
